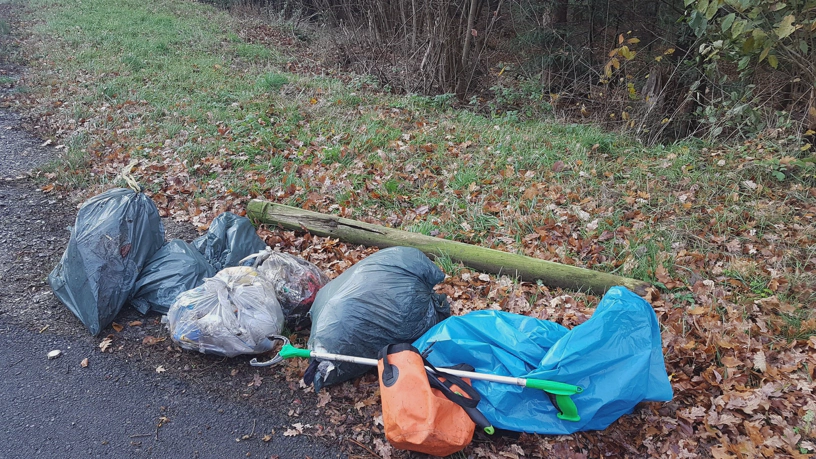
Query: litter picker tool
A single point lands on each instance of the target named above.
(558, 392)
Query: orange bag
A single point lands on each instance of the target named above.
(417, 416)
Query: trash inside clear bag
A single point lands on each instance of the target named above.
(296, 281)
(233, 313)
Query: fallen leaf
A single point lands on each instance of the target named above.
(720, 452)
(256, 381)
(492, 207)
(135, 323)
(382, 448)
(558, 166)
(734, 246)
(297, 430)
(517, 449)
(323, 398)
(730, 362)
(530, 193)
(266, 438)
(117, 327)
(84, 363)
(106, 343)
(234, 372)
(151, 340)
(160, 369)
(759, 361)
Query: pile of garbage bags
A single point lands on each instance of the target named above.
(117, 254)
(226, 293)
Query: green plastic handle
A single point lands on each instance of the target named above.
(288, 351)
(566, 407)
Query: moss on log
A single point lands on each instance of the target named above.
(479, 258)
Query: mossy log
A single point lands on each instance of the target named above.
(479, 258)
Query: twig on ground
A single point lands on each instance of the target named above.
(364, 447)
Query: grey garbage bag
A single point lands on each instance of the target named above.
(173, 269)
(115, 233)
(232, 313)
(384, 299)
(229, 239)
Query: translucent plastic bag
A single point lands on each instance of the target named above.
(296, 281)
(233, 313)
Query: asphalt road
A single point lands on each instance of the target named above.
(57, 408)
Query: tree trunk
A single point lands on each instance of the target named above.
(461, 86)
(482, 259)
(559, 14)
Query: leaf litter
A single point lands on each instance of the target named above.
(730, 250)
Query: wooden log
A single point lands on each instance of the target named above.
(479, 258)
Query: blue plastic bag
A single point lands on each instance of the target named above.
(616, 357)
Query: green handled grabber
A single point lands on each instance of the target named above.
(561, 392)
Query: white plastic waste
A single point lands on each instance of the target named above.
(233, 313)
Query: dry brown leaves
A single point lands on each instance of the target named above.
(739, 352)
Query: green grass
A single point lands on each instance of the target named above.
(272, 81)
(173, 84)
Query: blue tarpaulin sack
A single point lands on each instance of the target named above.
(616, 357)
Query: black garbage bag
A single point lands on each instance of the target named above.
(175, 268)
(115, 234)
(229, 239)
(384, 299)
